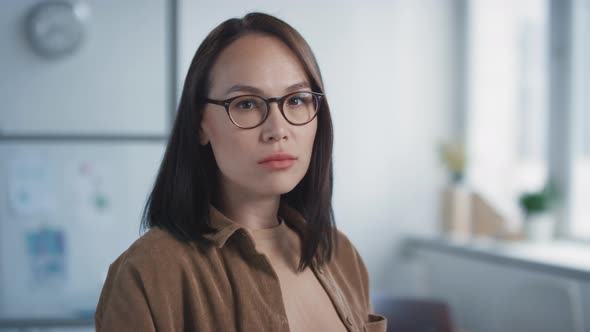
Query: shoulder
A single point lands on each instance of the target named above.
(350, 270)
(155, 260)
(348, 259)
(156, 240)
(156, 250)
(140, 281)
(346, 250)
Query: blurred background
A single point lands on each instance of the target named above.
(461, 157)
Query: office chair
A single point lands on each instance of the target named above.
(413, 314)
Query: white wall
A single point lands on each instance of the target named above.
(116, 83)
(387, 67)
(104, 88)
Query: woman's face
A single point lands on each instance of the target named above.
(260, 65)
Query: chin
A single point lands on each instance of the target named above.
(276, 186)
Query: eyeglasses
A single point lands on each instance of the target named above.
(250, 111)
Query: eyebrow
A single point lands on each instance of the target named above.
(252, 89)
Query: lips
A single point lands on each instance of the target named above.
(278, 157)
(278, 161)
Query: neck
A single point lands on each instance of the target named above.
(248, 209)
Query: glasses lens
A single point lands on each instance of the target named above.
(301, 107)
(247, 111)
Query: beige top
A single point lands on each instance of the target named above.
(307, 304)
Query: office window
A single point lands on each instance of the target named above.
(507, 106)
(580, 122)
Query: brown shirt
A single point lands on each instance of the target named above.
(162, 284)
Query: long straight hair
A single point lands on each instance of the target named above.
(187, 180)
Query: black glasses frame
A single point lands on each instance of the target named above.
(279, 100)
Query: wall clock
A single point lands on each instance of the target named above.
(56, 28)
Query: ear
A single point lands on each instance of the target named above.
(203, 136)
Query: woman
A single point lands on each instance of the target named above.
(241, 229)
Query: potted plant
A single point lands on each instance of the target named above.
(453, 156)
(539, 222)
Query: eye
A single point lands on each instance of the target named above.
(247, 104)
(297, 100)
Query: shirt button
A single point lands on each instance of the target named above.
(318, 268)
(349, 320)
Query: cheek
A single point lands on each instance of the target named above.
(307, 139)
(217, 130)
(212, 123)
(219, 136)
(230, 146)
(227, 149)
(311, 135)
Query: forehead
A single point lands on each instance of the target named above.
(256, 60)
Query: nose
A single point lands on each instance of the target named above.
(274, 129)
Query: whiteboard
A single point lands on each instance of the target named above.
(67, 210)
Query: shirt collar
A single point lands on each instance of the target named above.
(225, 227)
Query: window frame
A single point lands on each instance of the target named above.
(566, 104)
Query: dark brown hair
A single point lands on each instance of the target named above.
(187, 179)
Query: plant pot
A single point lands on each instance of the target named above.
(456, 211)
(540, 227)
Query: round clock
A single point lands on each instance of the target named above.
(56, 28)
